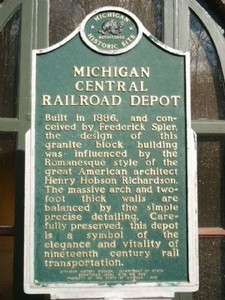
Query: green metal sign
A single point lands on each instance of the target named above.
(110, 175)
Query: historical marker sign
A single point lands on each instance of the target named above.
(110, 202)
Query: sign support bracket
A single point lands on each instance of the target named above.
(116, 298)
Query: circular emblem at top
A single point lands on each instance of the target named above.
(111, 30)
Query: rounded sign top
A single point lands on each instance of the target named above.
(111, 30)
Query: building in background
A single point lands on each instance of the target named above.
(189, 25)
